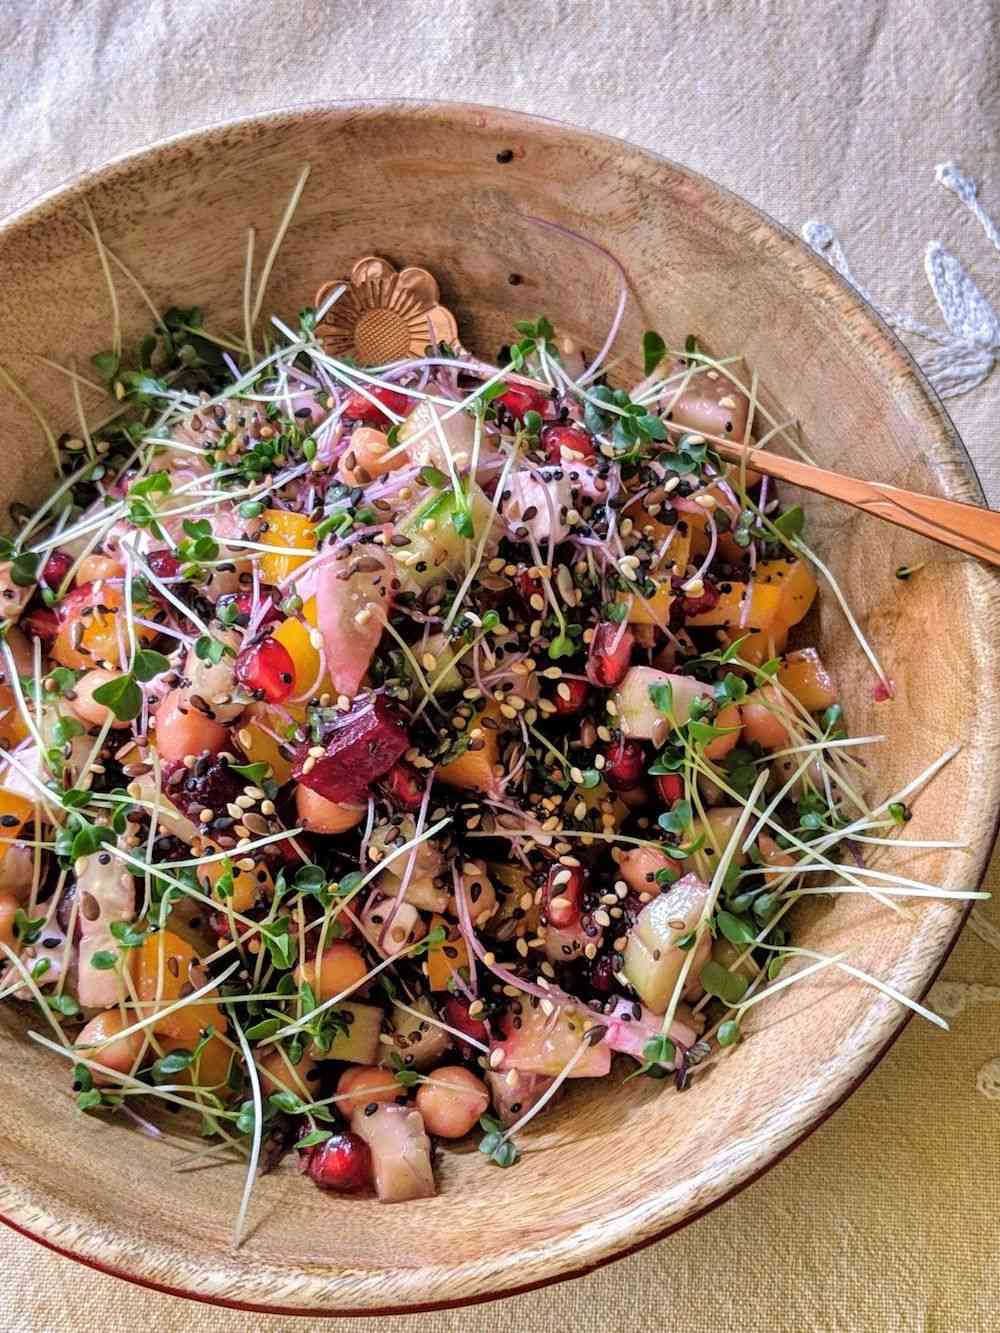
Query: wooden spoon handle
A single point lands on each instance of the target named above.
(966, 527)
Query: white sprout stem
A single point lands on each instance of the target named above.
(279, 237)
(866, 647)
(258, 1131)
(116, 323)
(18, 392)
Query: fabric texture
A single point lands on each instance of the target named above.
(884, 1219)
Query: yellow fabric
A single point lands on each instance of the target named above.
(884, 1220)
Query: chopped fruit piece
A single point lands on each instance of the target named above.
(294, 636)
(342, 1163)
(358, 1041)
(55, 569)
(319, 815)
(764, 714)
(544, 1043)
(707, 406)
(267, 669)
(164, 966)
(244, 604)
(353, 600)
(513, 1100)
(564, 443)
(610, 654)
(419, 1043)
(653, 610)
(13, 727)
(448, 958)
(401, 1152)
(653, 962)
(354, 748)
(163, 563)
(805, 677)
(342, 967)
(249, 886)
(89, 633)
(520, 399)
(642, 719)
(296, 533)
(476, 768)
(359, 407)
(278, 1072)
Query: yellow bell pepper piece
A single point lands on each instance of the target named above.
(285, 529)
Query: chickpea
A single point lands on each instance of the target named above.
(17, 870)
(366, 1084)
(762, 718)
(451, 1101)
(730, 716)
(319, 815)
(213, 680)
(342, 966)
(86, 707)
(21, 651)
(182, 730)
(8, 907)
(94, 567)
(118, 1055)
(366, 453)
(277, 1074)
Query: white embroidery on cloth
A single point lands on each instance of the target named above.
(966, 354)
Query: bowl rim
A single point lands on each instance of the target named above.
(34, 210)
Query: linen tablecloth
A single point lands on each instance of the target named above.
(884, 1219)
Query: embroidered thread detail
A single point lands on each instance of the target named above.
(966, 354)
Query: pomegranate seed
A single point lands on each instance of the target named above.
(41, 623)
(573, 438)
(267, 668)
(579, 691)
(602, 974)
(705, 601)
(626, 765)
(164, 564)
(562, 902)
(359, 408)
(359, 747)
(455, 1013)
(343, 1162)
(610, 653)
(403, 786)
(669, 787)
(243, 601)
(55, 569)
(520, 399)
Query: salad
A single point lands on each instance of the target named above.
(392, 736)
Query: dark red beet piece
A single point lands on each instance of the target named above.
(557, 438)
(626, 765)
(358, 407)
(359, 747)
(579, 691)
(267, 668)
(562, 902)
(343, 1162)
(403, 786)
(210, 784)
(55, 569)
(164, 564)
(669, 787)
(520, 399)
(610, 654)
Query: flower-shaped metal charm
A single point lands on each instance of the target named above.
(384, 315)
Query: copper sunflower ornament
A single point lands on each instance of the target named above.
(384, 315)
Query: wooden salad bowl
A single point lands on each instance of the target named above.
(447, 187)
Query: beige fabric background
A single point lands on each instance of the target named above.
(885, 1219)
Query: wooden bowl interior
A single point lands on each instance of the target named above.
(612, 1166)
